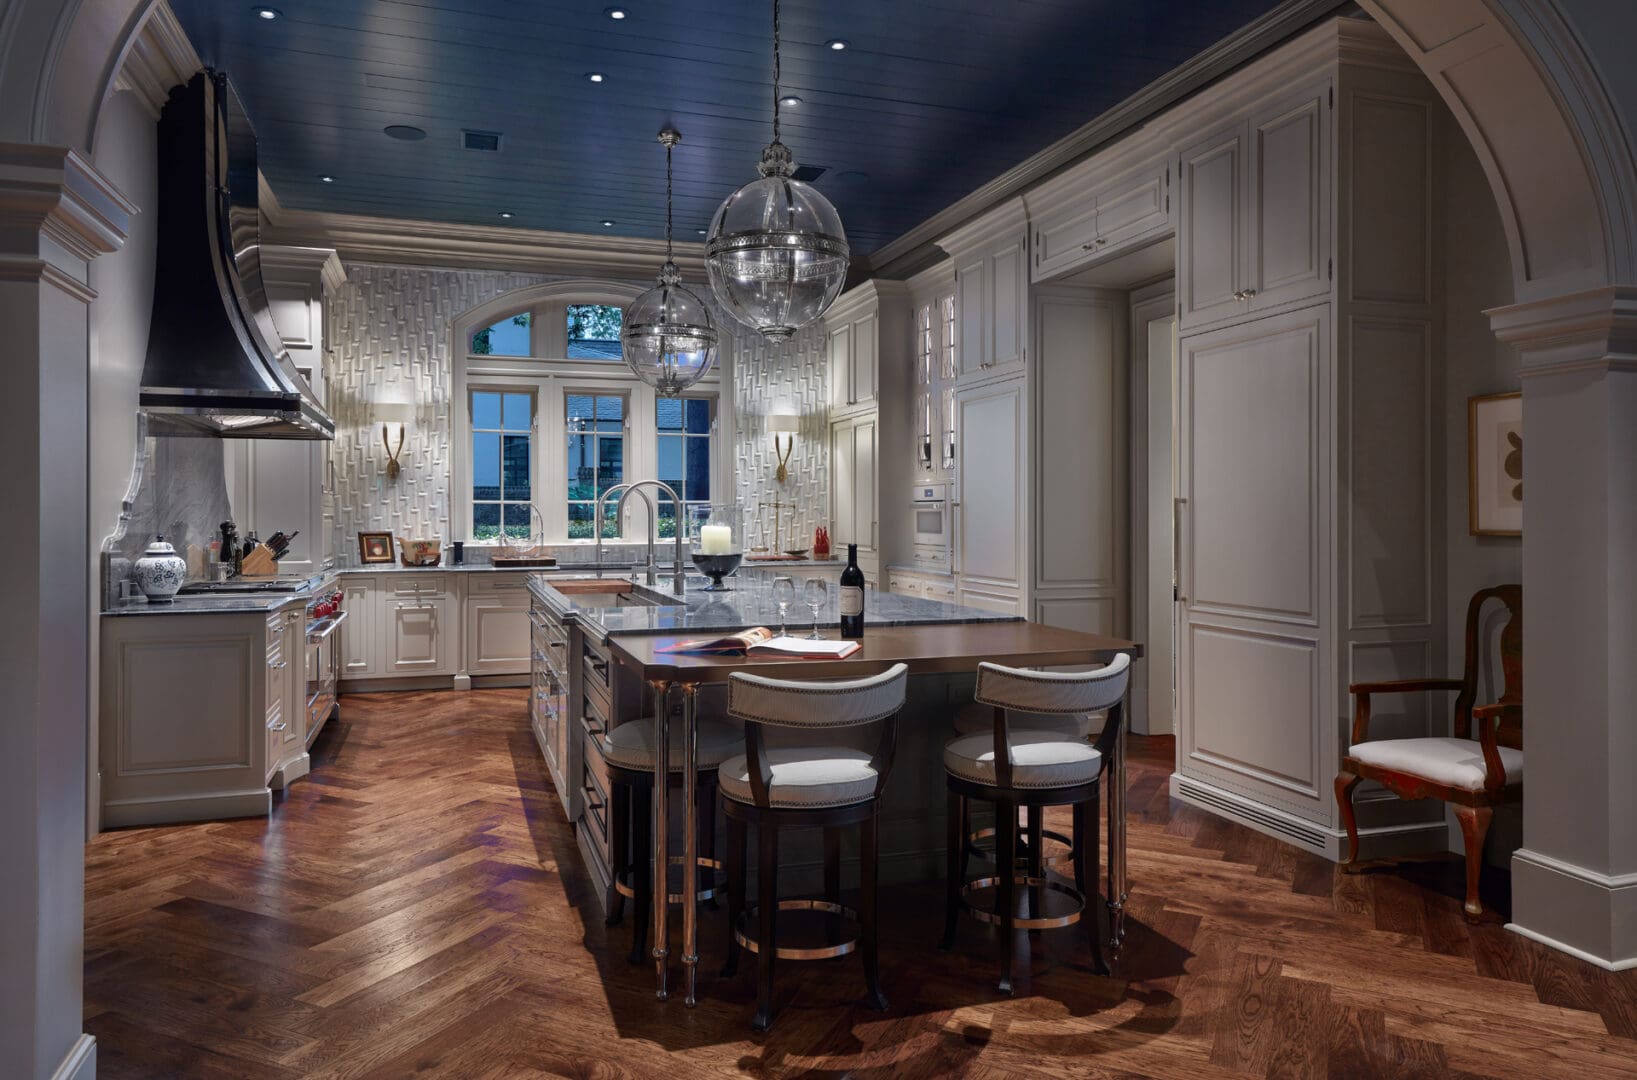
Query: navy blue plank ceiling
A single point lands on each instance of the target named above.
(928, 100)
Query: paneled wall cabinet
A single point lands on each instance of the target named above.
(868, 331)
(452, 626)
(991, 294)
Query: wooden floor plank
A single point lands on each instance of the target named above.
(417, 906)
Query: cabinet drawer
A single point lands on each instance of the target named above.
(594, 712)
(594, 794)
(497, 583)
(596, 669)
(417, 585)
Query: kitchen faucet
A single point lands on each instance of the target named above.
(634, 487)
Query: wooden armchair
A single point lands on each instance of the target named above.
(1475, 777)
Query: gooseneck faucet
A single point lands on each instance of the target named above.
(634, 487)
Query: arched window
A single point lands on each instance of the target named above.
(548, 417)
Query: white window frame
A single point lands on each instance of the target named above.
(625, 435)
(712, 443)
(551, 376)
(534, 444)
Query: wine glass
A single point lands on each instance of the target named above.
(784, 594)
(815, 594)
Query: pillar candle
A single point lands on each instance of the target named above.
(715, 539)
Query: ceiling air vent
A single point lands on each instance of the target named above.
(808, 173)
(487, 141)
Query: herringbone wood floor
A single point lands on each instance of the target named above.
(417, 907)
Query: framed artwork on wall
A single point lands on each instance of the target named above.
(375, 547)
(1495, 465)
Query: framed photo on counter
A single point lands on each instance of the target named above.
(375, 547)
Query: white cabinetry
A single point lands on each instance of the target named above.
(926, 586)
(1254, 228)
(360, 634)
(497, 624)
(855, 509)
(419, 636)
(1081, 219)
(991, 503)
(854, 362)
(992, 294)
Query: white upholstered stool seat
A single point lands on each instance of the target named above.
(805, 777)
(631, 745)
(975, 716)
(1040, 759)
(1459, 763)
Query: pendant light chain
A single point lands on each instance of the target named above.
(668, 144)
(777, 71)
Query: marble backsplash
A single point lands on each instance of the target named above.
(179, 489)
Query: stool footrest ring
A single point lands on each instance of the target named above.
(1036, 921)
(785, 952)
(623, 886)
(1063, 860)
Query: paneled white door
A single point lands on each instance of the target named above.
(991, 499)
(1256, 437)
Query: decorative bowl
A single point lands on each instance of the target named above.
(717, 567)
(421, 552)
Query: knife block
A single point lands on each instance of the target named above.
(259, 563)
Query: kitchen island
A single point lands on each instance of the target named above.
(599, 665)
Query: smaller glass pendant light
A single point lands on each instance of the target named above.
(777, 255)
(667, 336)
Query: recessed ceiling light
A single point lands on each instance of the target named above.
(701, 232)
(326, 179)
(790, 99)
(608, 224)
(595, 76)
(615, 13)
(837, 43)
(405, 132)
(267, 13)
(506, 214)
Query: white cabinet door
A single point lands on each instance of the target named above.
(1255, 436)
(865, 517)
(841, 366)
(972, 339)
(865, 360)
(992, 485)
(843, 522)
(360, 634)
(418, 636)
(1009, 305)
(497, 634)
(1289, 184)
(1211, 233)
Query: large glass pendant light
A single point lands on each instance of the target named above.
(667, 336)
(776, 255)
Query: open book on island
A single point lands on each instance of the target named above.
(760, 641)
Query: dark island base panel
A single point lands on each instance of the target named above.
(912, 812)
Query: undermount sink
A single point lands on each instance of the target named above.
(608, 592)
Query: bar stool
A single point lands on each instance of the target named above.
(1033, 769)
(628, 753)
(975, 718)
(805, 787)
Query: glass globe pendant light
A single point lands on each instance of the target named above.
(666, 334)
(776, 255)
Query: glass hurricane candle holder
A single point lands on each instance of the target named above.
(717, 538)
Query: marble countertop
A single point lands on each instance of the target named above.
(224, 604)
(750, 603)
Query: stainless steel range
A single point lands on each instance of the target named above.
(324, 617)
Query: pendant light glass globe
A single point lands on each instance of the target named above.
(776, 255)
(666, 334)
(667, 337)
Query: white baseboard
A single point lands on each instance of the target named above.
(171, 809)
(81, 1062)
(1582, 912)
(463, 682)
(1374, 842)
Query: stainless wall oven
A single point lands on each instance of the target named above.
(930, 526)
(324, 617)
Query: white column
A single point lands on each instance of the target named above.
(56, 214)
(1574, 881)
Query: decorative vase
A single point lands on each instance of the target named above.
(821, 543)
(717, 539)
(161, 571)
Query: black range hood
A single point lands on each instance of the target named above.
(215, 365)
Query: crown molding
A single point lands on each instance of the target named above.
(160, 57)
(404, 242)
(304, 264)
(53, 200)
(1591, 331)
(909, 253)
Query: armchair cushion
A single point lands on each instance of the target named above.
(1457, 763)
(1040, 759)
(806, 777)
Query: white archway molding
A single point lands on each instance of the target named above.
(1545, 128)
(584, 291)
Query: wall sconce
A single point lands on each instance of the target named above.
(785, 424)
(394, 418)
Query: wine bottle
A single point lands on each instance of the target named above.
(852, 596)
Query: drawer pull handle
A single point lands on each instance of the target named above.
(280, 726)
(280, 665)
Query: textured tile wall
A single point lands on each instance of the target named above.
(776, 377)
(390, 340)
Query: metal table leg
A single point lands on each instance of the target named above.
(690, 840)
(1117, 894)
(662, 847)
